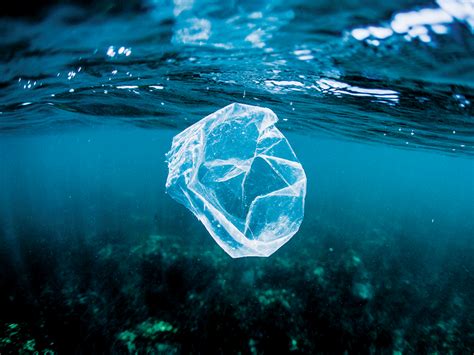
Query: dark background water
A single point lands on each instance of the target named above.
(95, 257)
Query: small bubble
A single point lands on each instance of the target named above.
(373, 42)
(111, 51)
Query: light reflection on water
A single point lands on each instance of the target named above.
(368, 76)
(421, 23)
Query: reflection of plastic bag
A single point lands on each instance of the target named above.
(238, 174)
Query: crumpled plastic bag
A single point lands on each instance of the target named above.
(237, 173)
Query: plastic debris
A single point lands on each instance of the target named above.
(240, 177)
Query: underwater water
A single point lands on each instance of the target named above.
(376, 100)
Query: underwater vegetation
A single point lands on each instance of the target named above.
(167, 295)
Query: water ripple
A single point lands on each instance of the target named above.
(371, 76)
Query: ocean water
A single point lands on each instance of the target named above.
(376, 99)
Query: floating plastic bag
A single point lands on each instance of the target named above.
(240, 177)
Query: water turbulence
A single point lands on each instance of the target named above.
(240, 177)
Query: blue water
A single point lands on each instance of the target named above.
(377, 102)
